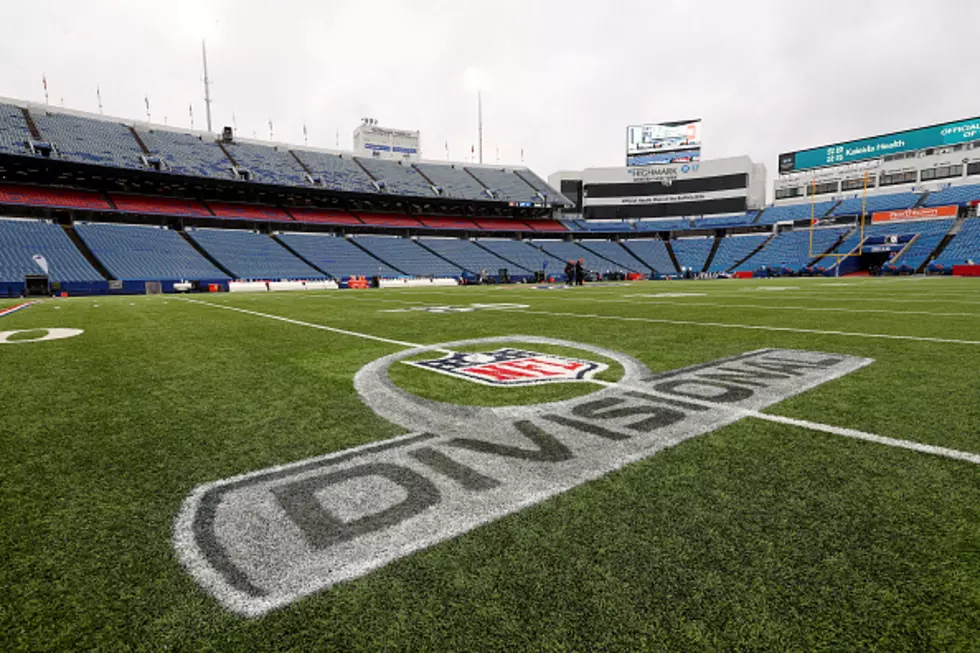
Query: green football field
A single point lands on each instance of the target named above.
(852, 525)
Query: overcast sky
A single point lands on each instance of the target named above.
(566, 77)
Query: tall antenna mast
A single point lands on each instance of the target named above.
(207, 83)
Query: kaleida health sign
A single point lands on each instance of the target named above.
(915, 214)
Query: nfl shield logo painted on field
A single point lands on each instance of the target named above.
(512, 367)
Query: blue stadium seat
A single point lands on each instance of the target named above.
(13, 131)
(85, 140)
(792, 212)
(268, 165)
(454, 181)
(251, 255)
(507, 186)
(790, 250)
(187, 154)
(409, 256)
(874, 203)
(619, 257)
(20, 240)
(337, 256)
(663, 224)
(653, 252)
(336, 172)
(520, 253)
(549, 194)
(733, 249)
(398, 178)
(960, 195)
(692, 253)
(144, 253)
(470, 256)
(565, 251)
(964, 247)
(725, 221)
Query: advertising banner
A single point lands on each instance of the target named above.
(915, 214)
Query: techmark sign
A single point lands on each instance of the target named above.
(264, 539)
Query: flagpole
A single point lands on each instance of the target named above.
(44, 81)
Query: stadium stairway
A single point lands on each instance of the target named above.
(833, 248)
(711, 254)
(207, 255)
(376, 257)
(86, 252)
(955, 229)
(461, 266)
(672, 255)
(292, 251)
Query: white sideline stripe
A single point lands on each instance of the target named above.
(816, 426)
(722, 325)
(648, 299)
(826, 428)
(356, 334)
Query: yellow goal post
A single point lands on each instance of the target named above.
(861, 221)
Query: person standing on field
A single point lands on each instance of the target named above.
(579, 273)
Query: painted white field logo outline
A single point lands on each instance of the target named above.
(456, 309)
(510, 367)
(262, 540)
(49, 334)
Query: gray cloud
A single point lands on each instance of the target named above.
(567, 77)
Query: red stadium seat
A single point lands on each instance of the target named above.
(54, 197)
(324, 217)
(159, 205)
(386, 220)
(545, 225)
(234, 211)
(501, 224)
(447, 223)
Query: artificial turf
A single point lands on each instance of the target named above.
(756, 536)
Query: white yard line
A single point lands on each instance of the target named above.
(722, 325)
(356, 334)
(825, 428)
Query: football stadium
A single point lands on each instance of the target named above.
(269, 395)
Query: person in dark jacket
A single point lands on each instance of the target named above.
(570, 273)
(579, 273)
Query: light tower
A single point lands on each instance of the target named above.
(475, 80)
(207, 83)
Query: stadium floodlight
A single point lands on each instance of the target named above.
(476, 80)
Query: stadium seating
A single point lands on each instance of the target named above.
(470, 257)
(565, 251)
(398, 178)
(53, 197)
(790, 250)
(964, 247)
(251, 255)
(506, 185)
(236, 211)
(653, 252)
(20, 240)
(267, 165)
(606, 226)
(792, 212)
(388, 220)
(619, 259)
(85, 140)
(323, 217)
(961, 195)
(733, 249)
(500, 224)
(520, 253)
(14, 133)
(144, 253)
(930, 234)
(436, 222)
(159, 205)
(692, 253)
(551, 195)
(409, 256)
(337, 256)
(725, 221)
(187, 154)
(668, 224)
(454, 181)
(336, 172)
(874, 203)
(544, 225)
